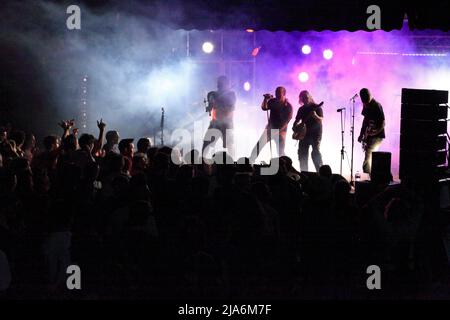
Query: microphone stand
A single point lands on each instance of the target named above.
(352, 132)
(269, 136)
(342, 141)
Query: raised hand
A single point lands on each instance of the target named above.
(67, 124)
(63, 124)
(101, 125)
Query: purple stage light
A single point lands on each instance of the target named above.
(327, 54)
(306, 49)
(247, 86)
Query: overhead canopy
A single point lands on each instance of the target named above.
(285, 15)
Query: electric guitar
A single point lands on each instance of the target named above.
(366, 136)
(299, 130)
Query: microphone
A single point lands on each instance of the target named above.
(353, 98)
(340, 109)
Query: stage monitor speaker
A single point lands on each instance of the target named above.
(310, 174)
(381, 167)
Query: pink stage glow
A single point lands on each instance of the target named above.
(303, 76)
(335, 81)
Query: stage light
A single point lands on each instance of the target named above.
(250, 30)
(306, 49)
(425, 54)
(303, 76)
(255, 51)
(378, 53)
(207, 47)
(247, 86)
(327, 54)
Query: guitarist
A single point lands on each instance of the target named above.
(311, 115)
(372, 129)
(280, 115)
(221, 105)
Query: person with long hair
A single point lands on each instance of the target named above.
(311, 115)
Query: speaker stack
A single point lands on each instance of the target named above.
(423, 134)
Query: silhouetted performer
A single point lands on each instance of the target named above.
(280, 115)
(372, 129)
(311, 114)
(221, 105)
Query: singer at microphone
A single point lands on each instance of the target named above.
(340, 109)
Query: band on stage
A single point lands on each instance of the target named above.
(307, 127)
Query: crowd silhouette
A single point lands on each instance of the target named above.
(140, 226)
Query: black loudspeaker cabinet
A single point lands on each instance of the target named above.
(422, 143)
(423, 127)
(422, 163)
(423, 133)
(309, 174)
(424, 96)
(381, 167)
(432, 112)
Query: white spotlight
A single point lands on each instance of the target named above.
(306, 49)
(327, 54)
(207, 47)
(303, 76)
